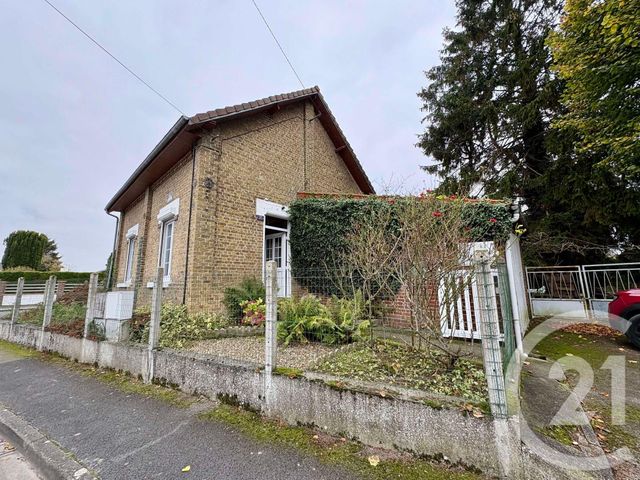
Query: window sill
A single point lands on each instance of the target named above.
(123, 285)
(165, 283)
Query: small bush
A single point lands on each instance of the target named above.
(138, 325)
(177, 327)
(249, 289)
(254, 312)
(308, 319)
(96, 332)
(62, 313)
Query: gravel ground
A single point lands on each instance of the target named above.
(251, 349)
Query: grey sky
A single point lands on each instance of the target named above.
(74, 124)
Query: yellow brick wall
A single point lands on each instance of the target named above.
(134, 214)
(326, 171)
(260, 157)
(176, 182)
(257, 157)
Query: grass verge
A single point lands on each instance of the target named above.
(596, 349)
(123, 381)
(351, 456)
(17, 350)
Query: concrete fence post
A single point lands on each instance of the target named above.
(271, 290)
(154, 323)
(270, 329)
(91, 302)
(18, 301)
(3, 287)
(505, 437)
(49, 297)
(60, 287)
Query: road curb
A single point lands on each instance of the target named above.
(44, 455)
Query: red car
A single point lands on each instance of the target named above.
(626, 305)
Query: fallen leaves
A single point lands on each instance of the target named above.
(187, 469)
(600, 429)
(374, 460)
(472, 410)
(7, 446)
(592, 329)
(396, 364)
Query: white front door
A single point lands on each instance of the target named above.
(276, 249)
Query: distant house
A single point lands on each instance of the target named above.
(209, 203)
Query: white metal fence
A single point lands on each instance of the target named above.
(582, 290)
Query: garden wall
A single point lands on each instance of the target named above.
(372, 419)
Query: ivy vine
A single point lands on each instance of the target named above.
(320, 226)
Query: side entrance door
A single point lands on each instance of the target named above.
(276, 249)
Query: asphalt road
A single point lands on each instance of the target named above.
(127, 436)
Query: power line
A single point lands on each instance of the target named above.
(277, 42)
(114, 57)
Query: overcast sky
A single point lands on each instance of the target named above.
(74, 124)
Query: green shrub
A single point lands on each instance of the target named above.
(96, 332)
(254, 312)
(177, 327)
(61, 313)
(32, 276)
(248, 290)
(308, 319)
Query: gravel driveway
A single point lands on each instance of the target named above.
(251, 349)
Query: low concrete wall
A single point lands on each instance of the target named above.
(372, 419)
(545, 306)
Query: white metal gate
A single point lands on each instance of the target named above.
(460, 309)
(580, 290)
(460, 313)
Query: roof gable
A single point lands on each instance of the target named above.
(180, 138)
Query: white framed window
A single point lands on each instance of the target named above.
(131, 249)
(131, 235)
(166, 246)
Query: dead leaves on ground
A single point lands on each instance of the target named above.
(592, 329)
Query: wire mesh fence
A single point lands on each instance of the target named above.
(409, 332)
(334, 307)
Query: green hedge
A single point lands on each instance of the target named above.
(319, 227)
(42, 276)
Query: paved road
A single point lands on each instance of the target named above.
(125, 436)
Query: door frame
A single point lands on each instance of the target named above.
(285, 268)
(266, 208)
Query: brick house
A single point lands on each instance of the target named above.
(209, 203)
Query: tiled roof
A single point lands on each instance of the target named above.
(224, 112)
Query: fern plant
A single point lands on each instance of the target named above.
(307, 319)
